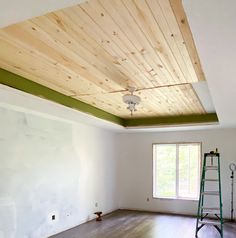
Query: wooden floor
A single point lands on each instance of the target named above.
(132, 224)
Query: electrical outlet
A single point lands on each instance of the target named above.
(53, 217)
(96, 204)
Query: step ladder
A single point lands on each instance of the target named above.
(211, 162)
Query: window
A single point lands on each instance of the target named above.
(176, 170)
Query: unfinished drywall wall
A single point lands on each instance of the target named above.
(52, 168)
(135, 167)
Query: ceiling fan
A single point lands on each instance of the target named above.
(132, 100)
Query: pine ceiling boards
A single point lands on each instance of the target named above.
(87, 55)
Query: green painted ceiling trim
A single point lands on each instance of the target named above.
(172, 120)
(28, 86)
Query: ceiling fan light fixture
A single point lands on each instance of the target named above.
(131, 100)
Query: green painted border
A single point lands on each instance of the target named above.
(172, 120)
(28, 86)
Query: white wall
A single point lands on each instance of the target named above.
(48, 167)
(135, 167)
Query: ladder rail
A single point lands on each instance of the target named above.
(200, 202)
(221, 215)
(203, 186)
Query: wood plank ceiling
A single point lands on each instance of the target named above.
(94, 51)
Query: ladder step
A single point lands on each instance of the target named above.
(211, 167)
(211, 210)
(210, 222)
(214, 155)
(211, 193)
(211, 180)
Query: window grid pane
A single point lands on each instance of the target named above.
(165, 171)
(188, 170)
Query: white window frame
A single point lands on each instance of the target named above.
(177, 197)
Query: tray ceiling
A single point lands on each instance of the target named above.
(94, 51)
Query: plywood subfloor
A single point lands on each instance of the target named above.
(95, 50)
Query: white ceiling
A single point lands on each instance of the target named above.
(213, 26)
(13, 11)
(203, 93)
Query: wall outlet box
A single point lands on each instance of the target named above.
(52, 217)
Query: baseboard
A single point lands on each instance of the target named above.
(157, 212)
(166, 213)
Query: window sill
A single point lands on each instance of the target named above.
(177, 199)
